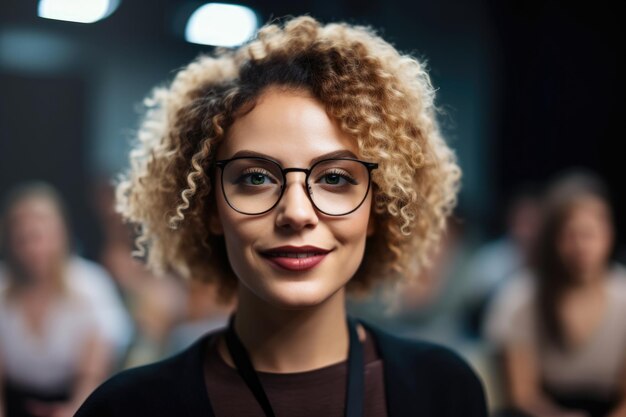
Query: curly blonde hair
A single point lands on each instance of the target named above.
(383, 99)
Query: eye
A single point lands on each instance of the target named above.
(336, 177)
(256, 177)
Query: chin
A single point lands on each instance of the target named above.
(299, 295)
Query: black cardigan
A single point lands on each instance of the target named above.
(421, 379)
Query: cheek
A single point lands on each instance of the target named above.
(587, 247)
(240, 233)
(352, 231)
(602, 244)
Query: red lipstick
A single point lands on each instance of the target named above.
(295, 258)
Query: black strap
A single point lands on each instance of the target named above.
(244, 367)
(356, 369)
(356, 374)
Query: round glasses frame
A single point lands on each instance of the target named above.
(284, 171)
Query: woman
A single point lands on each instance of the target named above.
(52, 350)
(565, 342)
(302, 165)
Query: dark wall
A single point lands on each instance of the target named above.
(43, 136)
(562, 99)
(529, 88)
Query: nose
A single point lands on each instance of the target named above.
(295, 209)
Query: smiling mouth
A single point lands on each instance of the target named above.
(294, 258)
(290, 251)
(293, 254)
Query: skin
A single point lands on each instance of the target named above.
(586, 239)
(291, 321)
(38, 238)
(584, 245)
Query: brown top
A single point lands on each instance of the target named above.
(320, 392)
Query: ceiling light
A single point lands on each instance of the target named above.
(221, 24)
(82, 11)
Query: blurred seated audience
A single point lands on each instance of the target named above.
(560, 327)
(428, 306)
(156, 310)
(129, 273)
(493, 263)
(202, 314)
(61, 322)
(169, 313)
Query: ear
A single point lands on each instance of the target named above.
(215, 225)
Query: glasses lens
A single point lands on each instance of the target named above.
(252, 185)
(338, 186)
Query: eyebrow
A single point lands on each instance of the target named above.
(342, 153)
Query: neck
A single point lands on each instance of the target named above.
(283, 341)
(591, 279)
(39, 284)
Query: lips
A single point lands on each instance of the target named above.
(295, 258)
(292, 255)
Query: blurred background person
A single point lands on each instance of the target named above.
(495, 262)
(115, 254)
(427, 307)
(510, 84)
(155, 310)
(201, 314)
(61, 324)
(168, 313)
(155, 303)
(560, 327)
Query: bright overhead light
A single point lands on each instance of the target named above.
(82, 11)
(221, 24)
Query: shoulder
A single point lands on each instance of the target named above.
(516, 293)
(4, 279)
(165, 388)
(616, 286)
(617, 279)
(513, 302)
(428, 360)
(88, 272)
(432, 375)
(90, 280)
(521, 286)
(136, 391)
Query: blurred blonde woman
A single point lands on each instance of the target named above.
(52, 347)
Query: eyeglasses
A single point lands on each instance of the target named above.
(255, 185)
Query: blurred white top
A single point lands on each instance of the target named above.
(93, 282)
(596, 366)
(92, 304)
(45, 362)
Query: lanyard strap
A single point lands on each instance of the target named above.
(356, 368)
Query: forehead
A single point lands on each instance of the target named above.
(292, 127)
(588, 209)
(33, 206)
